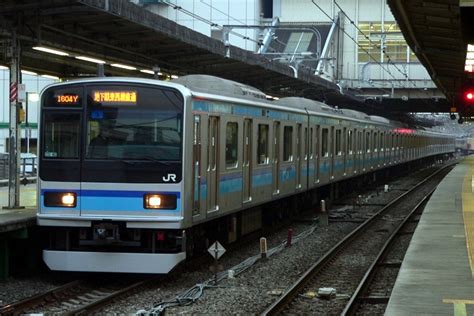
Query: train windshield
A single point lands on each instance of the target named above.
(133, 124)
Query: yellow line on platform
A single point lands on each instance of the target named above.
(468, 210)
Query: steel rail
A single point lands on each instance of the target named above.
(351, 306)
(279, 305)
(96, 304)
(20, 306)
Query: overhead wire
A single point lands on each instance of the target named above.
(355, 41)
(389, 59)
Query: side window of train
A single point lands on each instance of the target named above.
(305, 144)
(375, 142)
(287, 143)
(338, 150)
(324, 142)
(262, 143)
(349, 142)
(231, 145)
(367, 141)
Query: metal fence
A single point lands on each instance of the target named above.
(28, 166)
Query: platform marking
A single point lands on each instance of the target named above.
(459, 306)
(468, 212)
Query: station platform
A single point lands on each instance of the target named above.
(437, 274)
(15, 223)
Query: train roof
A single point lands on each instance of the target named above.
(303, 104)
(216, 85)
(379, 119)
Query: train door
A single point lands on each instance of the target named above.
(212, 164)
(310, 161)
(317, 156)
(276, 158)
(197, 158)
(332, 154)
(360, 150)
(299, 161)
(246, 164)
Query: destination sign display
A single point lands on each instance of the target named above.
(115, 97)
(67, 99)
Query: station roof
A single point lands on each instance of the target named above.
(122, 32)
(434, 31)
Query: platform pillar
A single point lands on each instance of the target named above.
(14, 146)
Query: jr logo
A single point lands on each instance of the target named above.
(170, 177)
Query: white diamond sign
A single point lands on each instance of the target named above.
(216, 250)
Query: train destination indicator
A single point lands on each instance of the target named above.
(116, 97)
(67, 99)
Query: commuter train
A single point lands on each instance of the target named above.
(136, 174)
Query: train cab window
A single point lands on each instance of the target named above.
(349, 142)
(262, 144)
(338, 143)
(231, 144)
(287, 143)
(61, 135)
(325, 142)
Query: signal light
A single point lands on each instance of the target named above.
(469, 95)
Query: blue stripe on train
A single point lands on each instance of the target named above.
(107, 200)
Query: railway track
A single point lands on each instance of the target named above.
(79, 297)
(341, 269)
(372, 295)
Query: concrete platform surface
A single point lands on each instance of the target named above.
(12, 219)
(436, 276)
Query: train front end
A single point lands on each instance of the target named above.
(110, 192)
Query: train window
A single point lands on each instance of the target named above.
(382, 141)
(196, 164)
(61, 135)
(305, 144)
(349, 142)
(287, 143)
(231, 144)
(325, 142)
(262, 149)
(367, 141)
(338, 142)
(375, 143)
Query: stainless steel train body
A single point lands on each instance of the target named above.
(179, 154)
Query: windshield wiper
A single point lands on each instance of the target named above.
(146, 159)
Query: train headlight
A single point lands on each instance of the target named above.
(60, 199)
(159, 201)
(68, 199)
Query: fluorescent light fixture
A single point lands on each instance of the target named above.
(50, 50)
(151, 72)
(3, 67)
(89, 59)
(27, 72)
(50, 77)
(174, 77)
(470, 55)
(123, 66)
(276, 98)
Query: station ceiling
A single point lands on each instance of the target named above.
(121, 32)
(438, 32)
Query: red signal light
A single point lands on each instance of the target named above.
(469, 96)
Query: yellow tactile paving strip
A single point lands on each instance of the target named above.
(468, 210)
